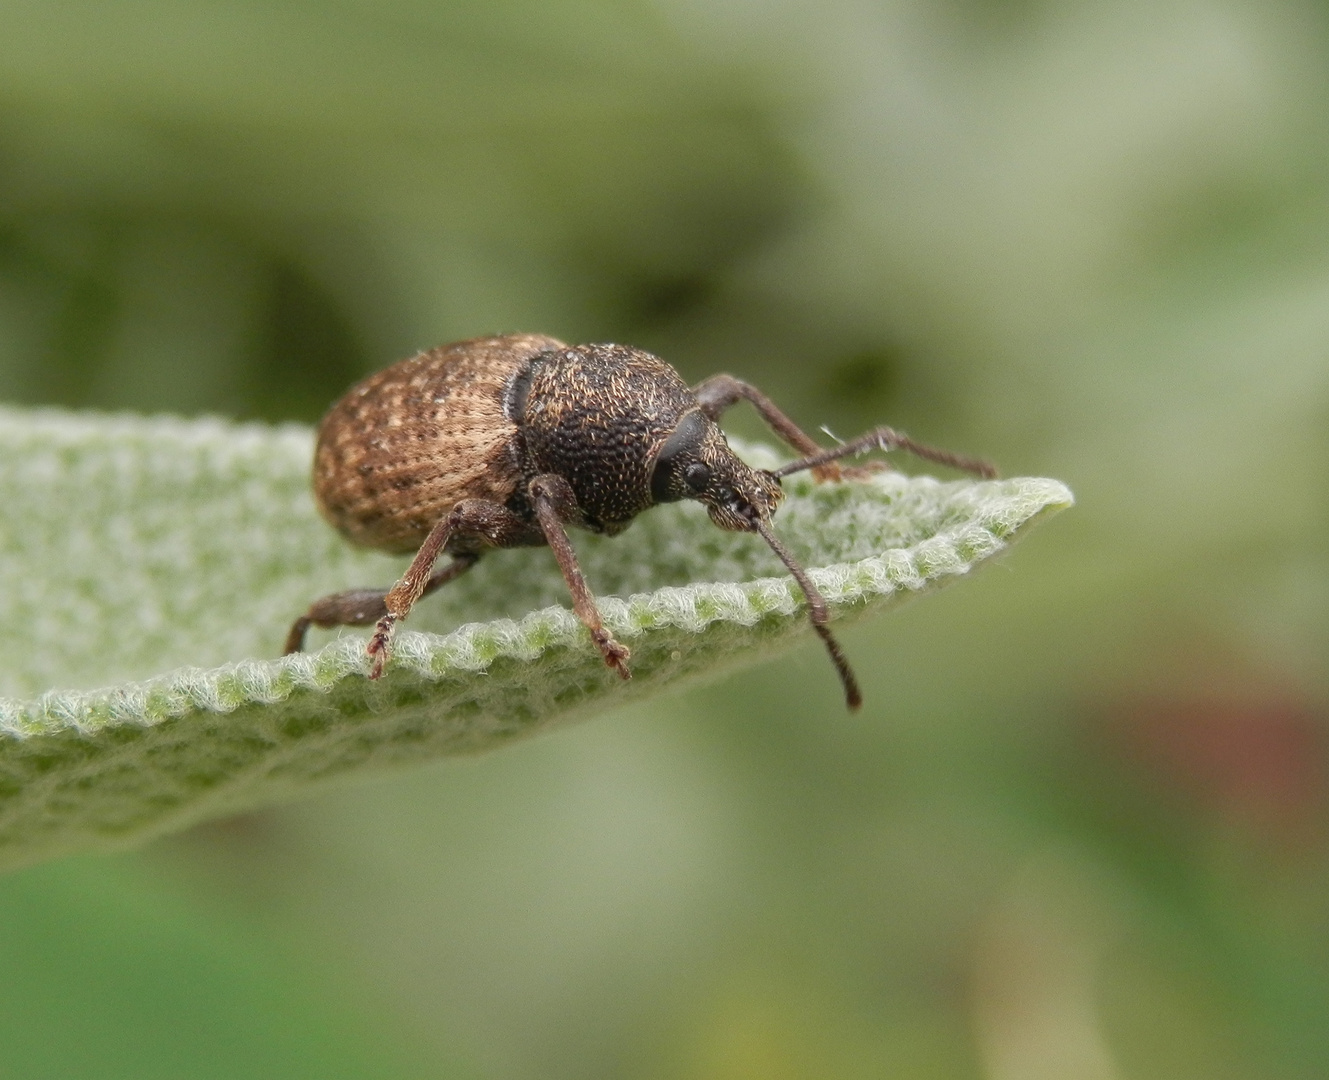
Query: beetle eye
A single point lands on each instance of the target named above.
(697, 476)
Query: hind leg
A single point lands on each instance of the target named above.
(364, 607)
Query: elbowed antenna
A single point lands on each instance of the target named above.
(817, 612)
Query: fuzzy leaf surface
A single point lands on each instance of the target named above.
(150, 567)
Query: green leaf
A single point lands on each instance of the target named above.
(132, 546)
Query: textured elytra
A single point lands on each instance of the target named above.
(129, 547)
(404, 446)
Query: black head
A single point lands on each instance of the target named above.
(696, 462)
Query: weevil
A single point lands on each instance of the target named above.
(506, 441)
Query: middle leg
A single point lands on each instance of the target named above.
(555, 503)
(489, 523)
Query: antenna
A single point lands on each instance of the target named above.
(817, 612)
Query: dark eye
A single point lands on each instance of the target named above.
(697, 476)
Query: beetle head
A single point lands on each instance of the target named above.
(697, 463)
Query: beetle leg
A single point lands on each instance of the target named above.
(491, 523)
(364, 607)
(719, 392)
(555, 504)
(884, 438)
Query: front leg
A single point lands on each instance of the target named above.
(884, 438)
(720, 392)
(555, 504)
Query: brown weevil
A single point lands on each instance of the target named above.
(505, 441)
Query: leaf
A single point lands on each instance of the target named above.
(131, 546)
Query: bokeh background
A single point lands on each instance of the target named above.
(1079, 830)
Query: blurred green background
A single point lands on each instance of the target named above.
(1079, 829)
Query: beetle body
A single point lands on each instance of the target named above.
(505, 441)
(481, 419)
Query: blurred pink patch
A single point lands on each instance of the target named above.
(1256, 756)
